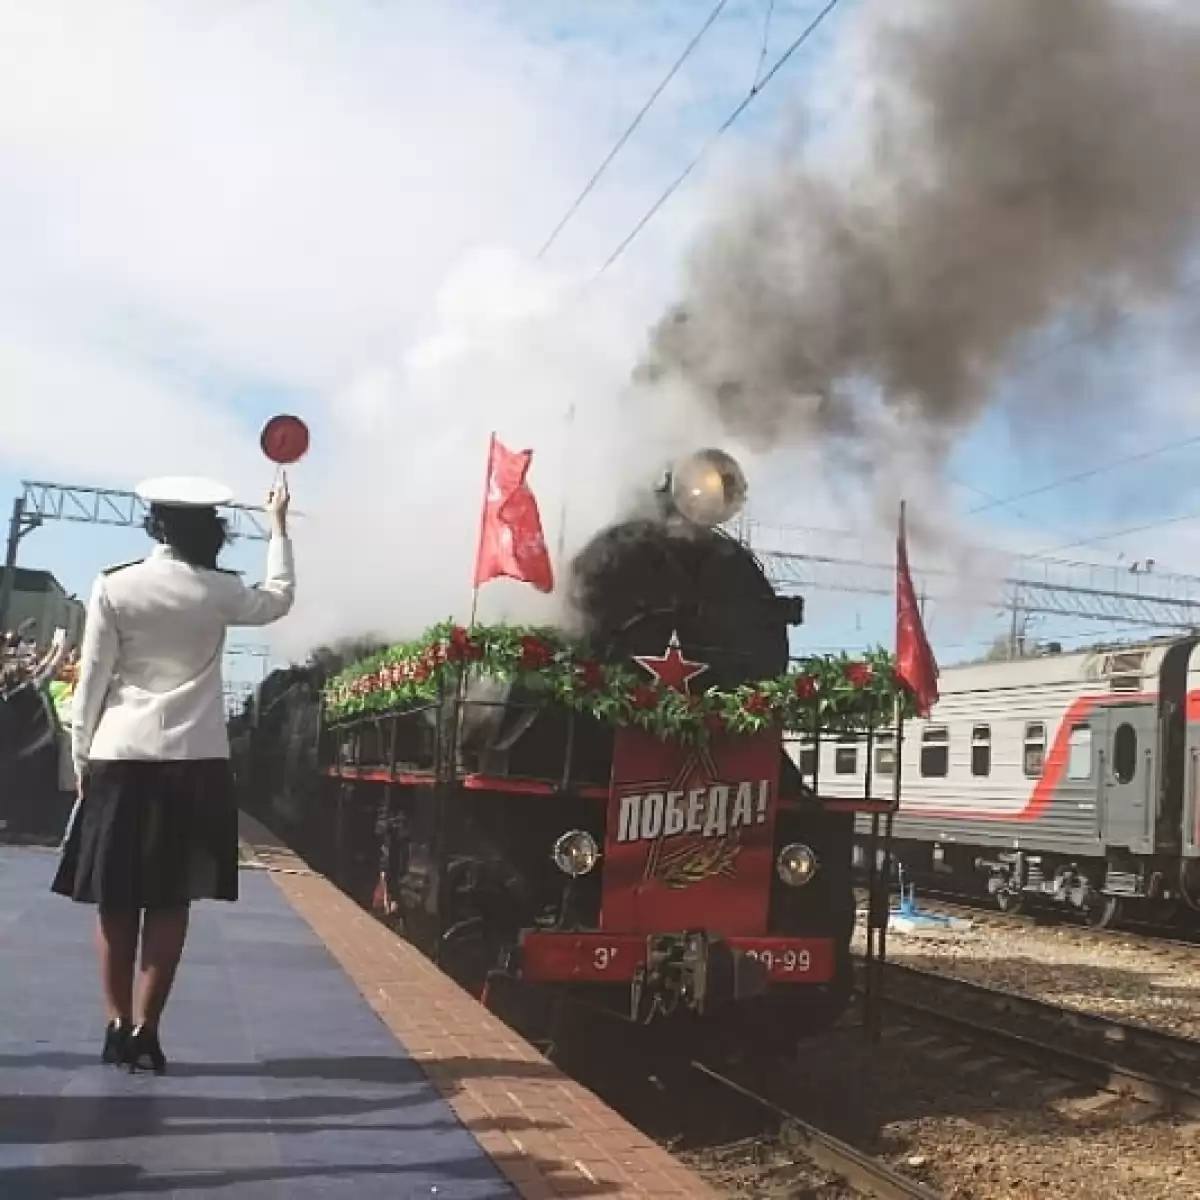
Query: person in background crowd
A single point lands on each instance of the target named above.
(156, 826)
(62, 696)
(26, 638)
(28, 744)
(19, 660)
(10, 661)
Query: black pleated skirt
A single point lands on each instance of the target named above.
(152, 835)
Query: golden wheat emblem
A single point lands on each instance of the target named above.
(693, 863)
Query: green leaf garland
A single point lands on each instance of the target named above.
(828, 692)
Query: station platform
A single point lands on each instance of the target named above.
(312, 1053)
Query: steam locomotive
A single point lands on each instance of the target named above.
(529, 845)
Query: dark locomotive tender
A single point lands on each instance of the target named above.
(482, 821)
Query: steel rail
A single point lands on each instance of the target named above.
(868, 1175)
(1110, 1030)
(1064, 1059)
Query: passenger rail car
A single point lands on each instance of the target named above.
(1073, 777)
(528, 846)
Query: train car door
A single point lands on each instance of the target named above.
(1127, 777)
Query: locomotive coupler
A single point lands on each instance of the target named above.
(694, 971)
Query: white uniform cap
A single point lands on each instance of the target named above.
(184, 491)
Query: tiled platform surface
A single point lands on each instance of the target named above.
(547, 1134)
(283, 1081)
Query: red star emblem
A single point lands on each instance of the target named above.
(671, 669)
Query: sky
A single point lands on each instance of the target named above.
(217, 211)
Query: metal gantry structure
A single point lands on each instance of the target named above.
(1031, 585)
(106, 506)
(40, 502)
(1052, 587)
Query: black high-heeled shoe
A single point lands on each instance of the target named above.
(143, 1051)
(116, 1037)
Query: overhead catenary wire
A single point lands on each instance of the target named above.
(1090, 473)
(1117, 533)
(1058, 347)
(637, 120)
(766, 42)
(721, 130)
(995, 501)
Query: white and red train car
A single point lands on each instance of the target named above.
(1069, 776)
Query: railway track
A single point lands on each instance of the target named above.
(865, 1174)
(1108, 1054)
(983, 911)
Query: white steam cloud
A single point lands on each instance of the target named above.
(213, 211)
(216, 211)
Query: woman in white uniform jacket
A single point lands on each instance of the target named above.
(157, 824)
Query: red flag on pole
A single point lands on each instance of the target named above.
(510, 538)
(915, 665)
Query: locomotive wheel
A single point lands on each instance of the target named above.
(1009, 901)
(1101, 911)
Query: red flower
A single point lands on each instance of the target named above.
(757, 704)
(535, 654)
(805, 686)
(859, 674)
(591, 675)
(421, 672)
(461, 648)
(643, 696)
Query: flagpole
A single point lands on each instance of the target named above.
(880, 898)
(487, 481)
(566, 478)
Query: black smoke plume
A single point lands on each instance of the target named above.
(1029, 163)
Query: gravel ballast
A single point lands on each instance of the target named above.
(970, 1125)
(1130, 978)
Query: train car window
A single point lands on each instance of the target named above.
(885, 754)
(1035, 749)
(935, 751)
(1124, 753)
(981, 750)
(806, 760)
(845, 757)
(1079, 753)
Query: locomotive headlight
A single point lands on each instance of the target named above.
(576, 853)
(796, 864)
(708, 487)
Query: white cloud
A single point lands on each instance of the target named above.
(206, 197)
(332, 199)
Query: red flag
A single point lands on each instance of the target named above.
(510, 540)
(915, 664)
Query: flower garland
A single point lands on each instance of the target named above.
(827, 692)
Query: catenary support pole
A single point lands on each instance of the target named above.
(10, 559)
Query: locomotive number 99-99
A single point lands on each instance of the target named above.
(785, 961)
(616, 958)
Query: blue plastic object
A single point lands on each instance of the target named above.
(911, 914)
